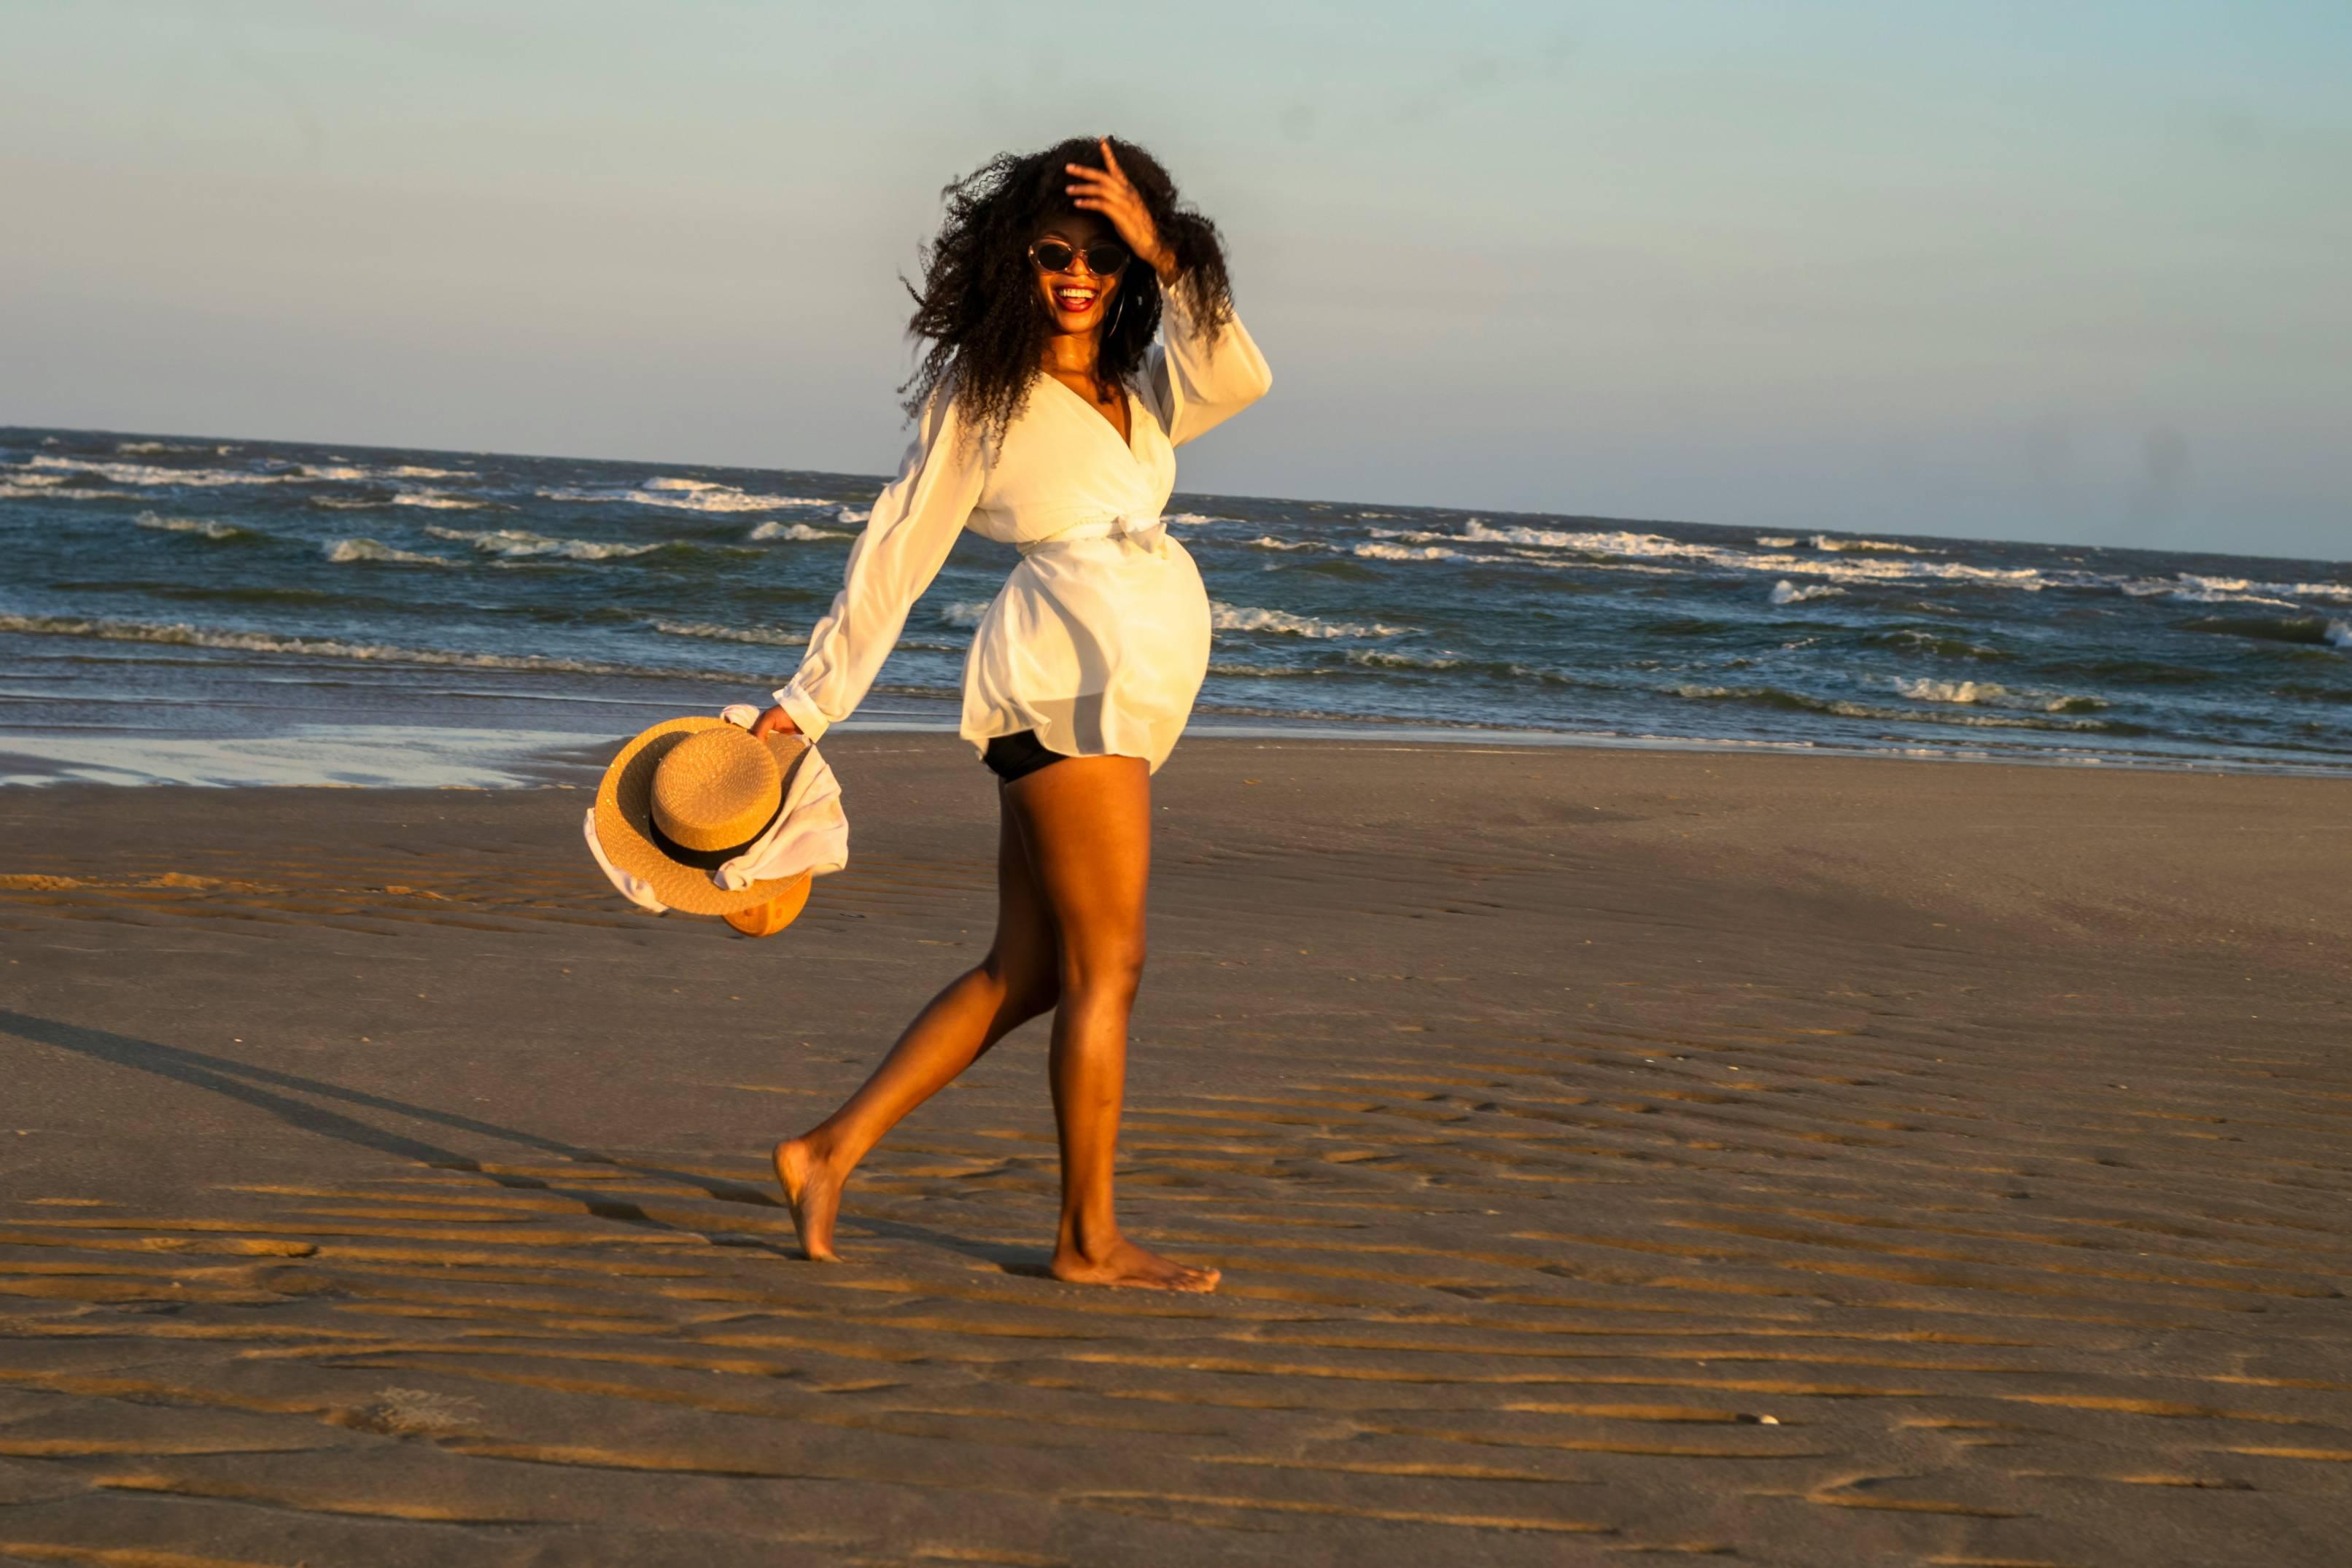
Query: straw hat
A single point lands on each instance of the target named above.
(687, 796)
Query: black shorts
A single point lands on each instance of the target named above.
(1016, 756)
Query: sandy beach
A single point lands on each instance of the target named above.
(1804, 1160)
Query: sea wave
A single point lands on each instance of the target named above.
(209, 527)
(1787, 593)
(1869, 546)
(1967, 693)
(1376, 551)
(680, 495)
(182, 634)
(138, 449)
(1268, 542)
(799, 531)
(1227, 618)
(2339, 635)
(766, 637)
(1777, 540)
(416, 471)
(1841, 708)
(149, 474)
(1384, 658)
(852, 514)
(434, 501)
(33, 486)
(522, 545)
(964, 614)
(347, 552)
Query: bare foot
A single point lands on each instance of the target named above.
(813, 1192)
(1124, 1263)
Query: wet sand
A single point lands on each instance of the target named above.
(1805, 1161)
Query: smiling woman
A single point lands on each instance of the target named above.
(1055, 268)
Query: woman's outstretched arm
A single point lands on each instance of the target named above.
(914, 526)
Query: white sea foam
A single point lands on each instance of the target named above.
(964, 614)
(1383, 658)
(1268, 542)
(208, 526)
(1193, 517)
(1986, 693)
(1787, 593)
(413, 471)
(1871, 546)
(1378, 552)
(681, 495)
(33, 486)
(149, 474)
(522, 545)
(345, 552)
(1777, 540)
(798, 532)
(853, 513)
(2339, 635)
(1227, 618)
(2190, 588)
(437, 502)
(764, 636)
(1923, 691)
(181, 635)
(35, 481)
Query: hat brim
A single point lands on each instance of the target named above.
(625, 823)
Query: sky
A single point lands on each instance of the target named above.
(1987, 269)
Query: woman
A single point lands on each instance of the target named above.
(1047, 419)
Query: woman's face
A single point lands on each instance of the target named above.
(1076, 300)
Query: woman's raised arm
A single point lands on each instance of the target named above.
(1202, 379)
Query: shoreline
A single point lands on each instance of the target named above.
(459, 757)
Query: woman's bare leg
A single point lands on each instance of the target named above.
(1012, 985)
(1087, 822)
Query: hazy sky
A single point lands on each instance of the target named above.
(2056, 271)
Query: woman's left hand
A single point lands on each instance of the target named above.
(1109, 192)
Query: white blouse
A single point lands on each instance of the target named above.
(1099, 640)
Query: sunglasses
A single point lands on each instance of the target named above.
(1104, 258)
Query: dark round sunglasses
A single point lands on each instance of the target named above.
(1105, 258)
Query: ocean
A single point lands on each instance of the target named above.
(256, 612)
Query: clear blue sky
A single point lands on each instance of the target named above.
(2023, 271)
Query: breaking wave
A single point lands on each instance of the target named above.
(763, 635)
(204, 527)
(522, 545)
(182, 634)
(1787, 593)
(345, 552)
(681, 495)
(793, 530)
(1227, 618)
(964, 614)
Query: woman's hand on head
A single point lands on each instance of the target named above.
(774, 721)
(1109, 192)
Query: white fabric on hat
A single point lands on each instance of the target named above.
(810, 833)
(637, 889)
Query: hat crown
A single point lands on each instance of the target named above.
(716, 789)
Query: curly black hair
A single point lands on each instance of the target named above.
(979, 305)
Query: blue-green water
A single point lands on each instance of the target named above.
(298, 611)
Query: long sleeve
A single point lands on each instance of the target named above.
(906, 540)
(1201, 379)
